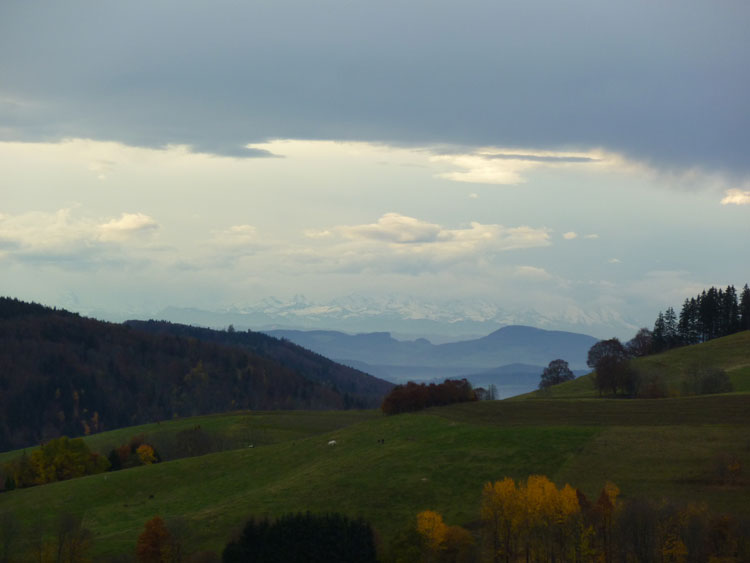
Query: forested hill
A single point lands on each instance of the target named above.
(61, 373)
(310, 364)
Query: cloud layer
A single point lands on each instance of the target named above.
(666, 83)
(64, 238)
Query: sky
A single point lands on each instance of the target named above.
(582, 159)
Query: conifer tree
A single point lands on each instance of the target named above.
(744, 309)
(687, 325)
(671, 336)
(730, 311)
(659, 334)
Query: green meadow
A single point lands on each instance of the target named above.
(388, 468)
(731, 353)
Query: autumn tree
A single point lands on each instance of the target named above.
(501, 515)
(21, 471)
(532, 520)
(417, 396)
(57, 460)
(556, 372)
(146, 454)
(155, 543)
(432, 529)
(441, 542)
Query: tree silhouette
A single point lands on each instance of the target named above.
(556, 372)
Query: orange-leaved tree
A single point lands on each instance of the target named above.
(155, 544)
(441, 542)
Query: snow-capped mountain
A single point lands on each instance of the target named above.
(408, 316)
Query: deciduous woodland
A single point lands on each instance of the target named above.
(417, 396)
(534, 520)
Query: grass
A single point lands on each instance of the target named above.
(427, 461)
(437, 459)
(230, 430)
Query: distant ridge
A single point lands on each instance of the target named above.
(508, 345)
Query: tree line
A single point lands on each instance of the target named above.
(711, 314)
(64, 458)
(413, 396)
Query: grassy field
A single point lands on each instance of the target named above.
(427, 461)
(438, 459)
(229, 430)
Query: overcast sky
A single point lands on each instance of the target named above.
(563, 156)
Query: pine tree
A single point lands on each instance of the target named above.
(671, 335)
(659, 334)
(744, 309)
(687, 325)
(708, 313)
(730, 311)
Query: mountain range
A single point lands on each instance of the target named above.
(402, 316)
(512, 355)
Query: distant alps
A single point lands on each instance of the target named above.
(403, 317)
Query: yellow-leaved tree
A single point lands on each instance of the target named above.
(146, 454)
(431, 527)
(65, 458)
(533, 521)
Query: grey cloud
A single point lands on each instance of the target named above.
(665, 82)
(540, 158)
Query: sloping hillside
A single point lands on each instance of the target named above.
(387, 469)
(306, 362)
(730, 353)
(64, 374)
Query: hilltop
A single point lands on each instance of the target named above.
(729, 353)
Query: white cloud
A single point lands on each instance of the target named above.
(236, 236)
(127, 225)
(570, 235)
(614, 261)
(532, 273)
(401, 230)
(591, 236)
(396, 228)
(60, 234)
(736, 197)
(402, 244)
